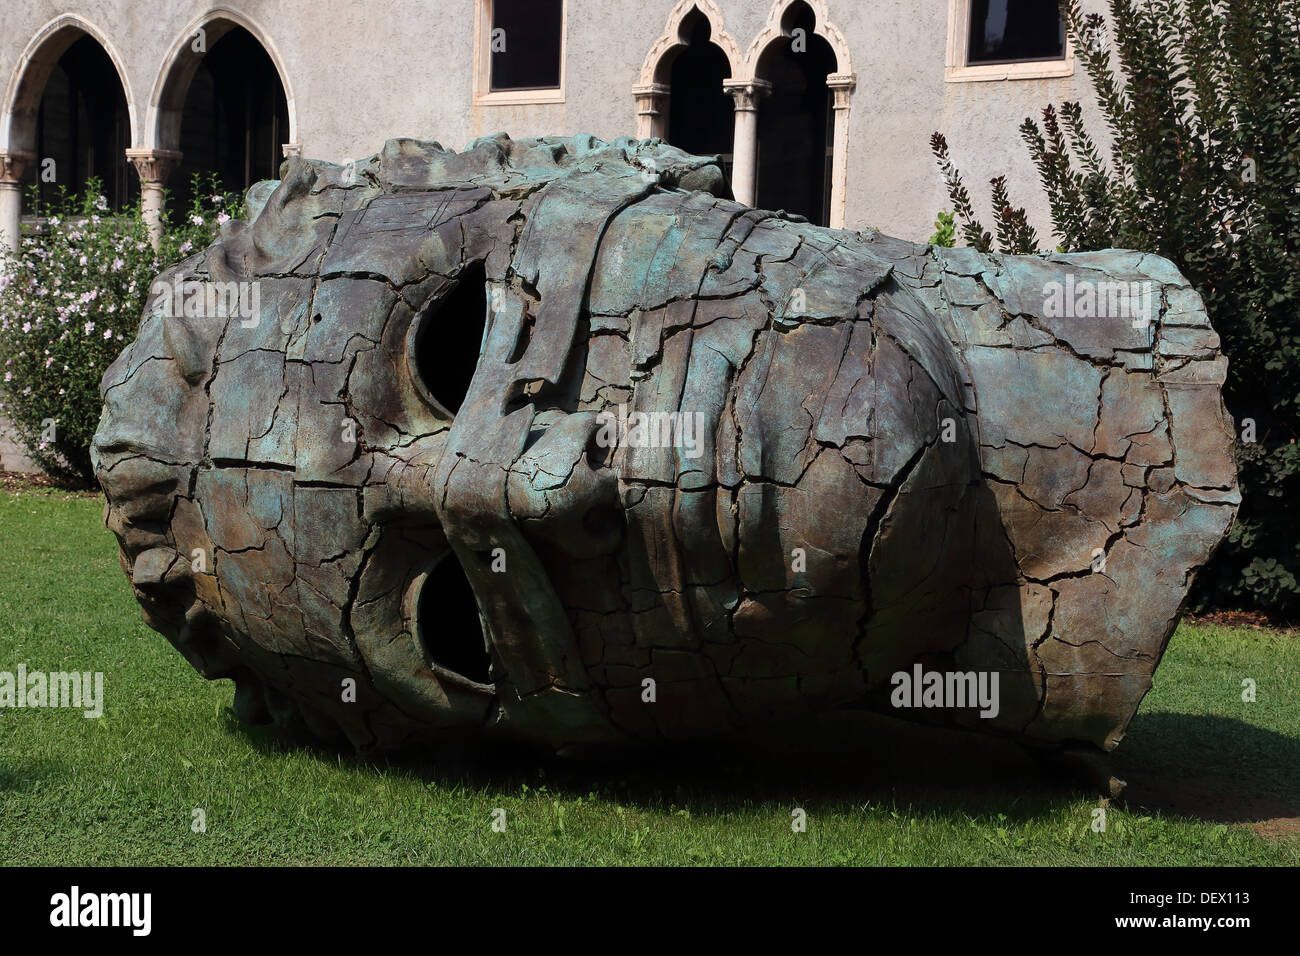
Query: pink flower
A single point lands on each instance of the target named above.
(222, 218)
(196, 219)
(89, 327)
(49, 361)
(108, 333)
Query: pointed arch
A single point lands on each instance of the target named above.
(167, 99)
(675, 39)
(768, 70)
(780, 21)
(30, 75)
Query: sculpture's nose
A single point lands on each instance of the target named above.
(561, 493)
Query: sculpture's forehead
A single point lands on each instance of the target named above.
(403, 238)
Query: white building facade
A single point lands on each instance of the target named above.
(821, 107)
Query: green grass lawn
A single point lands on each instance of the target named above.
(1212, 779)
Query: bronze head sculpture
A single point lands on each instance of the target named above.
(545, 439)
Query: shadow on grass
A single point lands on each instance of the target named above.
(843, 761)
(1210, 768)
(15, 779)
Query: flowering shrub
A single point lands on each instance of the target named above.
(69, 303)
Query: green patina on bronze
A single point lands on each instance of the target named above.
(906, 456)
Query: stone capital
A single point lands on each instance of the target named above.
(651, 99)
(290, 149)
(153, 165)
(747, 93)
(841, 86)
(13, 163)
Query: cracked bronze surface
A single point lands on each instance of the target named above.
(971, 484)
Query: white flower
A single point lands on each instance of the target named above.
(186, 246)
(222, 218)
(196, 219)
(49, 361)
(117, 264)
(108, 334)
(89, 327)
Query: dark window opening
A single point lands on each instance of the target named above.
(795, 123)
(447, 623)
(701, 117)
(449, 338)
(525, 44)
(1006, 31)
(234, 122)
(82, 125)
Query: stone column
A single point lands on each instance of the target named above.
(12, 166)
(744, 170)
(651, 110)
(841, 86)
(153, 166)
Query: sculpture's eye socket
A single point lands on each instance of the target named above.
(445, 340)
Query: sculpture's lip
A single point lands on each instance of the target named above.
(457, 648)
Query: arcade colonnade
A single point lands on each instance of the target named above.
(213, 95)
(795, 29)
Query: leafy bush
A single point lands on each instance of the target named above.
(1202, 108)
(69, 303)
